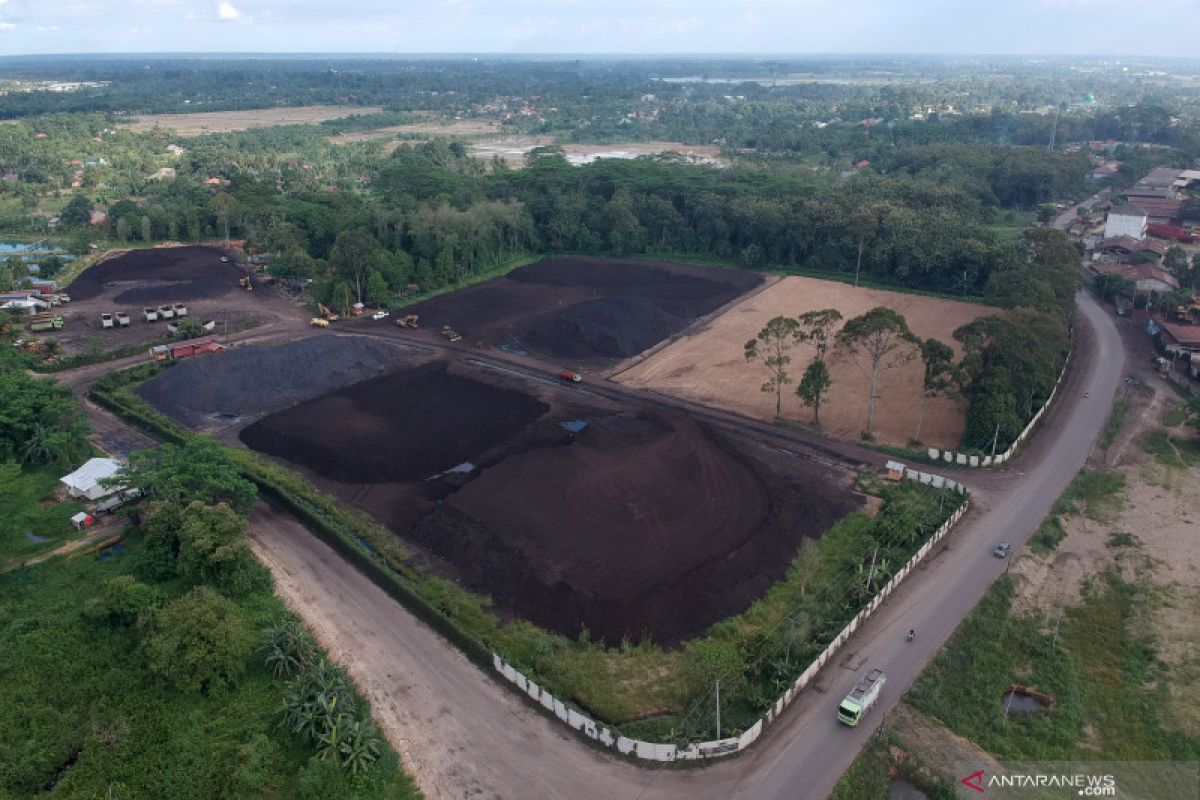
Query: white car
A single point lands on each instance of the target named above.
(379, 315)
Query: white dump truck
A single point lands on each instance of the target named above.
(860, 699)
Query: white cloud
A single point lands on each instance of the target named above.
(226, 10)
(47, 27)
(6, 26)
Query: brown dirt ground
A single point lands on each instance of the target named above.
(204, 122)
(707, 364)
(192, 275)
(604, 529)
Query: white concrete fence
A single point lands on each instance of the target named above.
(964, 460)
(652, 751)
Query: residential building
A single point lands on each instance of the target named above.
(1127, 220)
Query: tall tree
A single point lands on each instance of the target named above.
(863, 223)
(200, 641)
(938, 359)
(816, 329)
(773, 344)
(355, 256)
(814, 386)
(879, 339)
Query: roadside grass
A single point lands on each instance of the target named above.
(1115, 421)
(1172, 451)
(1095, 494)
(1175, 417)
(85, 717)
(1110, 690)
(27, 503)
(884, 760)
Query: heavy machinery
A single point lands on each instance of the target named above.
(573, 377)
(450, 334)
(106, 320)
(166, 312)
(180, 310)
(246, 283)
(1184, 313)
(860, 699)
(151, 314)
(317, 322)
(408, 321)
(328, 315)
(122, 319)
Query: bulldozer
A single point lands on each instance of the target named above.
(408, 321)
(326, 313)
(317, 322)
(246, 283)
(450, 334)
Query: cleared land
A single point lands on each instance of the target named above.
(513, 149)
(708, 365)
(130, 281)
(204, 122)
(585, 311)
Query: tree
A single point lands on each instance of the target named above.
(862, 224)
(1176, 261)
(773, 344)
(195, 470)
(938, 360)
(816, 329)
(378, 293)
(213, 549)
(223, 206)
(126, 602)
(813, 387)
(355, 256)
(77, 212)
(879, 339)
(200, 642)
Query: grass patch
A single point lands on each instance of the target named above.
(1103, 674)
(27, 503)
(84, 714)
(1097, 495)
(1172, 451)
(1175, 417)
(1115, 421)
(877, 766)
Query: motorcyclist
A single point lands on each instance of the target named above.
(911, 634)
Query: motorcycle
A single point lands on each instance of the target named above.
(911, 635)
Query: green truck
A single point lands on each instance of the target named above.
(861, 697)
(46, 322)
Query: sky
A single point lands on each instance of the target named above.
(1048, 27)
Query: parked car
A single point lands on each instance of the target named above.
(1001, 550)
(379, 315)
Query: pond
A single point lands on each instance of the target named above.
(901, 789)
(1016, 701)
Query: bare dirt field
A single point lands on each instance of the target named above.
(513, 149)
(130, 281)
(204, 122)
(585, 311)
(642, 523)
(707, 364)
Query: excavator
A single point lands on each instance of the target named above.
(408, 321)
(328, 315)
(1184, 313)
(246, 283)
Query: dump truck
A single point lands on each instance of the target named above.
(450, 334)
(122, 319)
(860, 699)
(180, 310)
(166, 312)
(151, 314)
(573, 377)
(106, 320)
(408, 321)
(46, 322)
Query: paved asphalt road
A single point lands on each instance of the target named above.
(506, 749)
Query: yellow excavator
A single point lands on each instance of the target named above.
(408, 321)
(326, 313)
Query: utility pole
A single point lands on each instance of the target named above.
(718, 708)
(1057, 622)
(995, 438)
(871, 574)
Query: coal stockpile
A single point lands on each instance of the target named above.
(407, 425)
(586, 309)
(610, 327)
(253, 379)
(160, 275)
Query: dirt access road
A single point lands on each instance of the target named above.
(464, 735)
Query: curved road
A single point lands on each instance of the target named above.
(466, 735)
